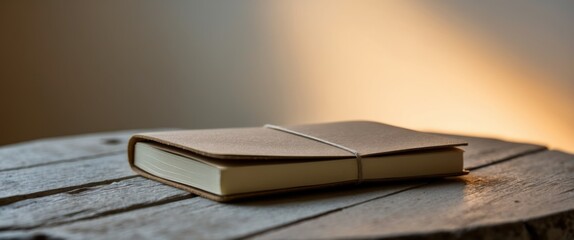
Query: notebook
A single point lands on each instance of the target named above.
(234, 163)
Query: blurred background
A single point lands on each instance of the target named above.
(500, 69)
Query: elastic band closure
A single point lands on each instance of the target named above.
(352, 151)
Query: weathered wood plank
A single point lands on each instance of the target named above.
(87, 203)
(212, 220)
(504, 196)
(45, 151)
(201, 218)
(484, 151)
(54, 178)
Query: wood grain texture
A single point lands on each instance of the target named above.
(61, 149)
(202, 218)
(85, 203)
(483, 151)
(512, 200)
(55, 178)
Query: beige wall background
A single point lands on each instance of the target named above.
(488, 68)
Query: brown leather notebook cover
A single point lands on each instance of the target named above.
(261, 143)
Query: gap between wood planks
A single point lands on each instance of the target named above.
(67, 148)
(328, 212)
(68, 160)
(533, 151)
(105, 213)
(16, 198)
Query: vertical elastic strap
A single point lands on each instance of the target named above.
(352, 151)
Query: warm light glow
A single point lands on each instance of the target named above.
(465, 67)
(401, 63)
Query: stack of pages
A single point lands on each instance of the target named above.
(234, 163)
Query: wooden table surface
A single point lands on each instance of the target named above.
(81, 187)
